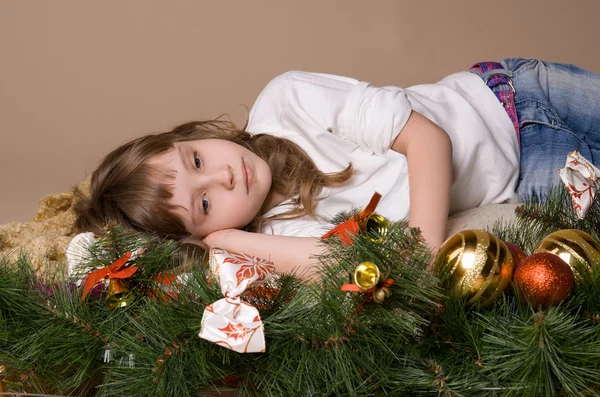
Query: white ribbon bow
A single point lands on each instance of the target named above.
(231, 322)
(581, 179)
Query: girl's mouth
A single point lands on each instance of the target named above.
(248, 176)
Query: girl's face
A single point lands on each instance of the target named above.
(217, 184)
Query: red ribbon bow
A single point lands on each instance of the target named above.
(356, 288)
(347, 230)
(116, 269)
(369, 297)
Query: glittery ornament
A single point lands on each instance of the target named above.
(578, 249)
(474, 265)
(516, 252)
(544, 279)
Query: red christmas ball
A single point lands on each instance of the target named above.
(516, 252)
(543, 279)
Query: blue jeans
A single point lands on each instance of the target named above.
(559, 111)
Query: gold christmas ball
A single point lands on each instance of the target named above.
(366, 275)
(580, 250)
(543, 279)
(474, 265)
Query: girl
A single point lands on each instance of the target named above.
(316, 144)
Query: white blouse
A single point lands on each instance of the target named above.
(339, 120)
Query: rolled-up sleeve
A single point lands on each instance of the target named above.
(369, 116)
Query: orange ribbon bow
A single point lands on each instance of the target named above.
(356, 288)
(116, 269)
(347, 230)
(369, 297)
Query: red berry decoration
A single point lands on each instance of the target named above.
(544, 279)
(516, 252)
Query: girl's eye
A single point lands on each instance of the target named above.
(197, 161)
(205, 204)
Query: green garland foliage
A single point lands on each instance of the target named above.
(320, 341)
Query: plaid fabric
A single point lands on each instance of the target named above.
(498, 79)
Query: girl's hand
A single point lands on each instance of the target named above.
(287, 253)
(218, 239)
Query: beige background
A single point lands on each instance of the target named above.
(78, 78)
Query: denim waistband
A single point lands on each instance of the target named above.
(499, 80)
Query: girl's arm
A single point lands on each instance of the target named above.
(286, 253)
(428, 152)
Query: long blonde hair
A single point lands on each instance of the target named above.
(125, 189)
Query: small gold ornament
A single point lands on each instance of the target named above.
(118, 295)
(367, 281)
(375, 227)
(475, 265)
(580, 250)
(380, 294)
(366, 275)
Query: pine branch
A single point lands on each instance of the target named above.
(541, 352)
(320, 340)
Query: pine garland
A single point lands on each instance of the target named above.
(320, 340)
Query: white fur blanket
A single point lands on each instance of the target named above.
(480, 218)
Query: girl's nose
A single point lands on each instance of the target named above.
(223, 177)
